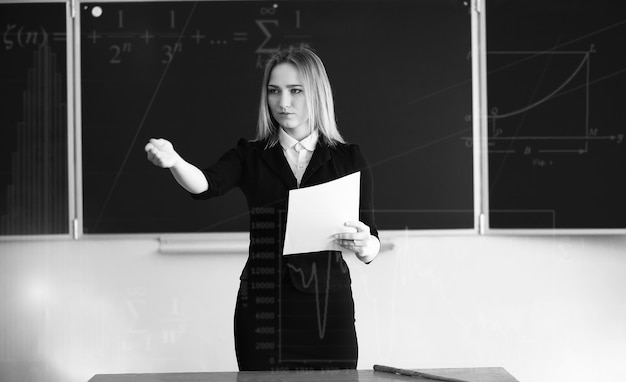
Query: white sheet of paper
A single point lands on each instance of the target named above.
(316, 213)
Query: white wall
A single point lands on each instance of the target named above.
(544, 308)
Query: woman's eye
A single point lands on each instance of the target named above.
(296, 91)
(272, 91)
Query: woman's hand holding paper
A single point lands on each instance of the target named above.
(361, 242)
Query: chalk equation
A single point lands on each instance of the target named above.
(16, 36)
(123, 32)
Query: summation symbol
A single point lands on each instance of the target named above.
(264, 26)
(271, 25)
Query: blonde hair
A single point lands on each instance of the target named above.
(319, 96)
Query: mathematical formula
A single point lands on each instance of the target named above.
(15, 36)
(174, 32)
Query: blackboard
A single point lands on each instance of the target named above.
(191, 71)
(557, 115)
(33, 123)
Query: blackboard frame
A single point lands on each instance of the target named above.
(563, 162)
(60, 194)
(480, 124)
(470, 229)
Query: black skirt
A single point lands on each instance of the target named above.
(303, 320)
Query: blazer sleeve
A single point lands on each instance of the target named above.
(227, 172)
(366, 203)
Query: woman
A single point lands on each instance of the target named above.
(297, 311)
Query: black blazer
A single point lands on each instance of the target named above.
(265, 178)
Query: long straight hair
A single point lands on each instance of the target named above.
(317, 90)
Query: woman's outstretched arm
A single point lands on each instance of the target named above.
(161, 153)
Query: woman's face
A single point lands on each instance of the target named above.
(287, 101)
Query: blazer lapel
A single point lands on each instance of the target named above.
(277, 162)
(321, 155)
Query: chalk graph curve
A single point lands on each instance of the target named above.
(582, 64)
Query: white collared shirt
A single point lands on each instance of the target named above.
(298, 153)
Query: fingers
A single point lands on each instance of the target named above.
(362, 231)
(160, 143)
(160, 152)
(355, 241)
(155, 144)
(352, 243)
(357, 246)
(151, 151)
(360, 226)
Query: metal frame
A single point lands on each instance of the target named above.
(232, 242)
(237, 241)
(71, 127)
(480, 49)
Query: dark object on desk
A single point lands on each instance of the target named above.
(480, 374)
(415, 373)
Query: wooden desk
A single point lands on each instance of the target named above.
(480, 374)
